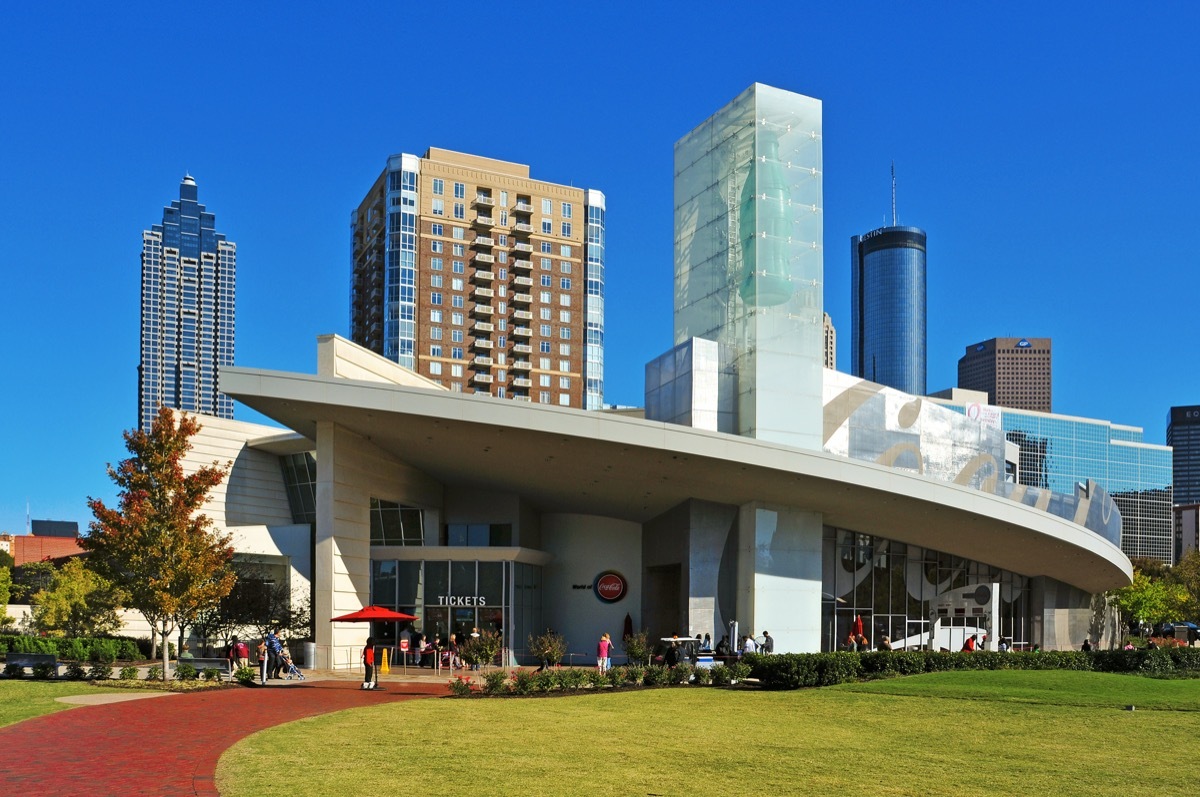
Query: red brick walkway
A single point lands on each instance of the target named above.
(166, 745)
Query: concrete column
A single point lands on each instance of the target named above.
(779, 575)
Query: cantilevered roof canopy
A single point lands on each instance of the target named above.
(568, 460)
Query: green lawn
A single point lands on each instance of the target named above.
(23, 699)
(965, 733)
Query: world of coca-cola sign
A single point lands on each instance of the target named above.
(610, 586)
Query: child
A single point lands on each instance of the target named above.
(368, 659)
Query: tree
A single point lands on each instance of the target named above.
(259, 602)
(29, 579)
(5, 589)
(1151, 601)
(1186, 573)
(78, 603)
(6, 560)
(156, 546)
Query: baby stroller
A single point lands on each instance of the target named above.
(289, 668)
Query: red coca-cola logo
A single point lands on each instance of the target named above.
(610, 586)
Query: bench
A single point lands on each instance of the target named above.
(202, 664)
(32, 660)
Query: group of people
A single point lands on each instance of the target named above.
(274, 661)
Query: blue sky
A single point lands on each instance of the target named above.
(1050, 154)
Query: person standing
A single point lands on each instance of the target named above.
(263, 661)
(602, 648)
(368, 660)
(768, 643)
(273, 660)
(749, 645)
(243, 653)
(1087, 645)
(970, 645)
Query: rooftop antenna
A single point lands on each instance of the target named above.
(893, 193)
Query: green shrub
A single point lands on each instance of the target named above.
(13, 670)
(129, 673)
(460, 686)
(246, 675)
(680, 674)
(655, 675)
(615, 676)
(720, 675)
(522, 681)
(185, 672)
(544, 681)
(44, 672)
(99, 671)
(596, 679)
(572, 679)
(739, 670)
(74, 671)
(211, 674)
(703, 675)
(495, 683)
(634, 674)
(154, 672)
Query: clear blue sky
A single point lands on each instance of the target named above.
(1050, 153)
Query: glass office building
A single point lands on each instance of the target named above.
(188, 278)
(1183, 435)
(749, 255)
(887, 308)
(1059, 451)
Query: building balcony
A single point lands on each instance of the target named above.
(521, 298)
(482, 343)
(525, 282)
(482, 293)
(482, 378)
(483, 221)
(483, 240)
(481, 257)
(481, 327)
(522, 365)
(523, 207)
(522, 332)
(482, 362)
(522, 348)
(523, 248)
(522, 382)
(483, 310)
(525, 265)
(482, 199)
(522, 315)
(521, 226)
(480, 275)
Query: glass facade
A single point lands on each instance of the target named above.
(1183, 435)
(892, 587)
(749, 254)
(187, 321)
(887, 308)
(594, 333)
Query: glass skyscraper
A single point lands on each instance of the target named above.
(188, 275)
(1183, 435)
(749, 255)
(887, 307)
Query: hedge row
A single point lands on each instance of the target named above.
(75, 649)
(798, 670)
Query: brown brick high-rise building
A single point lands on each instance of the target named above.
(1015, 372)
(471, 273)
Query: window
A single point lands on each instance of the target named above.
(435, 351)
(547, 227)
(502, 325)
(460, 190)
(435, 280)
(435, 333)
(501, 358)
(439, 207)
(435, 316)
(564, 333)
(547, 247)
(503, 199)
(456, 284)
(502, 340)
(566, 210)
(456, 387)
(502, 240)
(564, 316)
(439, 186)
(456, 354)
(564, 267)
(456, 301)
(544, 380)
(435, 229)
(547, 207)
(564, 399)
(502, 273)
(502, 257)
(395, 524)
(435, 264)
(502, 290)
(545, 263)
(564, 349)
(566, 229)
(545, 312)
(458, 250)
(545, 330)
(500, 391)
(456, 319)
(565, 283)
(564, 299)
(544, 297)
(435, 369)
(501, 374)
(459, 233)
(565, 250)
(436, 247)
(544, 397)
(456, 370)
(504, 218)
(544, 347)
(564, 382)
(546, 281)
(564, 365)
(435, 298)
(457, 267)
(460, 210)
(456, 335)
(501, 306)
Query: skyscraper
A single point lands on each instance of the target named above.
(1014, 372)
(1183, 435)
(749, 268)
(887, 307)
(189, 273)
(471, 273)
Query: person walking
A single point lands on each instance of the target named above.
(274, 646)
(768, 643)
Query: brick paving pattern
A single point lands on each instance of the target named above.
(168, 746)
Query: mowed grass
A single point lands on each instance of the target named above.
(25, 699)
(963, 733)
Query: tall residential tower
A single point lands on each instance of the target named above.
(189, 273)
(469, 272)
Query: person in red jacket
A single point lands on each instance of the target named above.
(368, 659)
(970, 645)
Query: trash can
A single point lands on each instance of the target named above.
(310, 655)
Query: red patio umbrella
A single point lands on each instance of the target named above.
(858, 625)
(373, 613)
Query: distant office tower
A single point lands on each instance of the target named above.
(1014, 372)
(887, 307)
(469, 272)
(1183, 435)
(189, 272)
(748, 255)
(830, 343)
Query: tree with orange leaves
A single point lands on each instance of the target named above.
(155, 545)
